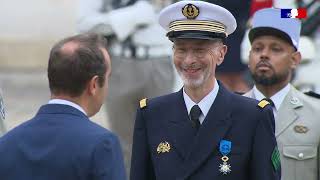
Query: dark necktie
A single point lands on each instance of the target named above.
(270, 101)
(194, 116)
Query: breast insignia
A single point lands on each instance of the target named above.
(163, 147)
(301, 129)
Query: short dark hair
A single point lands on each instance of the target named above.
(70, 71)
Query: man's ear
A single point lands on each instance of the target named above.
(221, 53)
(295, 59)
(93, 85)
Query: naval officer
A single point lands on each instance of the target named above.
(202, 131)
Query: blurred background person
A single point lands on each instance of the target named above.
(307, 75)
(140, 54)
(273, 58)
(232, 72)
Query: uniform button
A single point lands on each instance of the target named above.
(300, 155)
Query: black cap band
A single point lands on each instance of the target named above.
(269, 31)
(205, 35)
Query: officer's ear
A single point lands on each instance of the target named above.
(222, 51)
(295, 59)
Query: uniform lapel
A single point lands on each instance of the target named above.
(287, 112)
(180, 127)
(211, 132)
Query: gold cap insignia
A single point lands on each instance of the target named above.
(163, 147)
(263, 103)
(301, 129)
(190, 11)
(143, 103)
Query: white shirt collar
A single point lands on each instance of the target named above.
(276, 98)
(66, 102)
(204, 104)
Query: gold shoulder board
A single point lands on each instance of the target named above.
(263, 103)
(143, 103)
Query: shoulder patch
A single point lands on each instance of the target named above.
(312, 94)
(275, 159)
(263, 103)
(143, 103)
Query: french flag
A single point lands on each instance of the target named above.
(294, 13)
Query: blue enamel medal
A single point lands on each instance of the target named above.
(225, 149)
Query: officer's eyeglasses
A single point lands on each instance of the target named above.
(182, 53)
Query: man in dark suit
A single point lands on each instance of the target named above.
(60, 142)
(203, 131)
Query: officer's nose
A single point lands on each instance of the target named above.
(190, 57)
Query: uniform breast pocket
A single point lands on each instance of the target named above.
(299, 162)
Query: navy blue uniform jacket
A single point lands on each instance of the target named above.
(196, 156)
(60, 143)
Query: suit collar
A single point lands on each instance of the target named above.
(211, 132)
(66, 102)
(180, 127)
(60, 109)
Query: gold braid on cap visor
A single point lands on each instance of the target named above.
(195, 25)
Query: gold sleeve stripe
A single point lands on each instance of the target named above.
(197, 25)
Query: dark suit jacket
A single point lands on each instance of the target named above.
(60, 143)
(196, 156)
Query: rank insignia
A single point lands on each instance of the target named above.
(143, 103)
(190, 11)
(263, 103)
(301, 129)
(225, 149)
(163, 147)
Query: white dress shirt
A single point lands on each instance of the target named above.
(205, 104)
(66, 102)
(276, 98)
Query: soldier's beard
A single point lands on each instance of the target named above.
(264, 80)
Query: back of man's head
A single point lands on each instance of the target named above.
(74, 61)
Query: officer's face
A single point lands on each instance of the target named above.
(196, 60)
(272, 60)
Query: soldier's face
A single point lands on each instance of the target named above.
(196, 60)
(272, 60)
